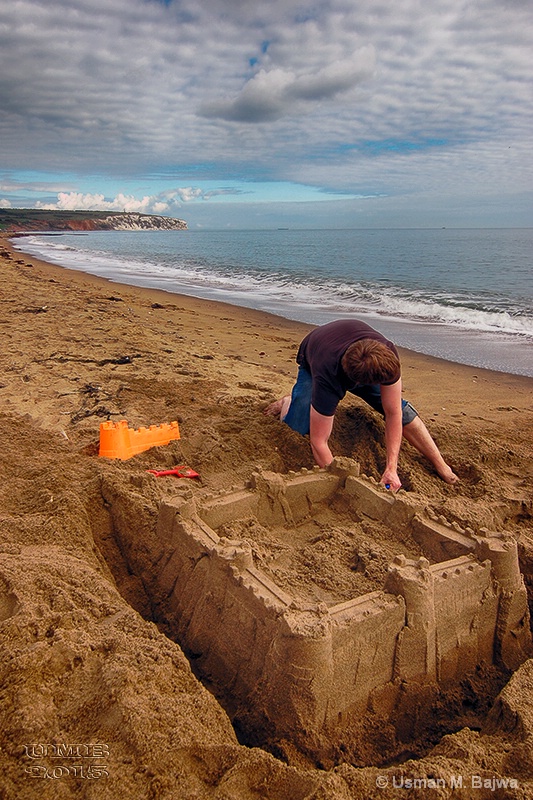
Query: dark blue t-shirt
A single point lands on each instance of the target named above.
(321, 353)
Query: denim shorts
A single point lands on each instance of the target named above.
(298, 415)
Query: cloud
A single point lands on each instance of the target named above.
(361, 97)
(272, 94)
(160, 203)
(186, 194)
(71, 201)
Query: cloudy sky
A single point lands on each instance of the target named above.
(268, 113)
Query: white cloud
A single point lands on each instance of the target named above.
(4, 203)
(70, 201)
(160, 203)
(187, 194)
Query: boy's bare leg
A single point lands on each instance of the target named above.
(418, 435)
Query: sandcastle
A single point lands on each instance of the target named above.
(311, 666)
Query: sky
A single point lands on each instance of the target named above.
(286, 113)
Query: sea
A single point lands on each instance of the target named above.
(464, 295)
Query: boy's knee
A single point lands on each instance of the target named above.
(409, 413)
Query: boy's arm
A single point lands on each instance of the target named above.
(391, 400)
(320, 431)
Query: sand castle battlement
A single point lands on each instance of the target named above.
(308, 665)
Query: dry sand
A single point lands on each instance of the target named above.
(83, 661)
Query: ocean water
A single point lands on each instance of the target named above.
(463, 295)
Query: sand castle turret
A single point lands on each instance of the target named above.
(513, 632)
(416, 652)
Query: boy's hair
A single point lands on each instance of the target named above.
(368, 361)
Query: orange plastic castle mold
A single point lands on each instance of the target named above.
(117, 440)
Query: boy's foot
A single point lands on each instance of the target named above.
(448, 475)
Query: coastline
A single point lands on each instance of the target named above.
(473, 346)
(84, 660)
(412, 358)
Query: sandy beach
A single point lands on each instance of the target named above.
(85, 658)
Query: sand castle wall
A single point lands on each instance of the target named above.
(302, 666)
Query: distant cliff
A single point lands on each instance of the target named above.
(15, 220)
